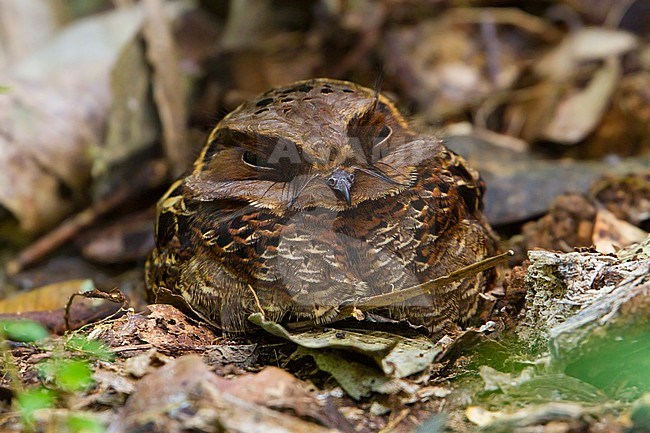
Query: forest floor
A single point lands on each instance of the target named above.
(104, 104)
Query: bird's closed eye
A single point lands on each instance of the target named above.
(383, 135)
(255, 160)
(380, 146)
(266, 168)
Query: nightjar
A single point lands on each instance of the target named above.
(313, 195)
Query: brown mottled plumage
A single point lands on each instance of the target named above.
(312, 195)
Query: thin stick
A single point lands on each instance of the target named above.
(257, 300)
(152, 175)
(397, 297)
(510, 16)
(114, 296)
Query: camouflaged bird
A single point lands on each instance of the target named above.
(313, 195)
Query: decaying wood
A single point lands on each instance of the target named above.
(591, 312)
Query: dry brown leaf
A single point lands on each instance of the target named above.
(531, 109)
(145, 363)
(271, 387)
(578, 114)
(184, 395)
(553, 105)
(56, 108)
(110, 382)
(260, 53)
(450, 63)
(51, 297)
(129, 239)
(48, 305)
(169, 88)
(626, 196)
(278, 389)
(132, 124)
(441, 66)
(164, 328)
(610, 233)
(24, 26)
(587, 44)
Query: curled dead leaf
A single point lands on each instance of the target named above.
(579, 112)
(56, 110)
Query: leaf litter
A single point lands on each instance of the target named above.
(541, 109)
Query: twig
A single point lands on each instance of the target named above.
(390, 426)
(492, 48)
(617, 12)
(154, 174)
(132, 347)
(169, 89)
(115, 296)
(397, 297)
(511, 16)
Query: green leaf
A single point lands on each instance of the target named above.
(82, 424)
(73, 375)
(46, 369)
(33, 400)
(4, 89)
(94, 348)
(69, 375)
(23, 330)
